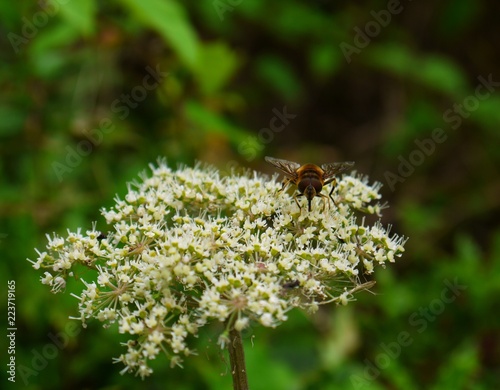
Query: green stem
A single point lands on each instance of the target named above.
(237, 359)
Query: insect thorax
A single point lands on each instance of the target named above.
(310, 178)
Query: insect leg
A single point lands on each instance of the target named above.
(326, 200)
(334, 183)
(285, 184)
(296, 201)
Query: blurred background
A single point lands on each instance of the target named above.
(94, 91)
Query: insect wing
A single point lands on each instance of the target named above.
(289, 168)
(332, 169)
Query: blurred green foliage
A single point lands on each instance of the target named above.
(74, 95)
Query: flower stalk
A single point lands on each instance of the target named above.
(237, 360)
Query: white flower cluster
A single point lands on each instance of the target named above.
(187, 246)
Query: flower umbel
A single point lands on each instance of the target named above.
(187, 246)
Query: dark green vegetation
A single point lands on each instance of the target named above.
(92, 91)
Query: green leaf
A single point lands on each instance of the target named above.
(169, 19)
(10, 15)
(79, 14)
(436, 72)
(211, 122)
(296, 20)
(324, 60)
(441, 74)
(420, 219)
(279, 75)
(59, 35)
(488, 114)
(461, 368)
(392, 57)
(216, 64)
(47, 52)
(12, 120)
(273, 374)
